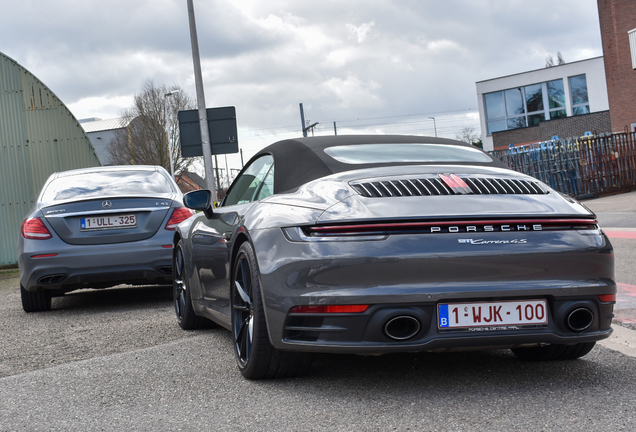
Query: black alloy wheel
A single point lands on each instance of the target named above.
(242, 308)
(255, 356)
(186, 318)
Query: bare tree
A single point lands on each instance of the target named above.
(469, 135)
(146, 131)
(560, 59)
(549, 61)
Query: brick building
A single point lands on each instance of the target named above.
(189, 181)
(618, 34)
(565, 100)
(566, 127)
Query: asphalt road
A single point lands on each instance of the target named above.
(116, 360)
(124, 365)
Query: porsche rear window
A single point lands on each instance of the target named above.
(107, 184)
(395, 153)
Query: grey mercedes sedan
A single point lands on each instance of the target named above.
(96, 228)
(385, 244)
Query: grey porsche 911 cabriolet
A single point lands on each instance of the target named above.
(383, 244)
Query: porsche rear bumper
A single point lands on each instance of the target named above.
(409, 275)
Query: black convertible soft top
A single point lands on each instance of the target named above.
(301, 160)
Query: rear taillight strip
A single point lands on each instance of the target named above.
(497, 226)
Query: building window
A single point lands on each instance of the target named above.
(632, 46)
(578, 90)
(495, 112)
(556, 96)
(524, 106)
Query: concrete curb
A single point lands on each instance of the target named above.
(622, 340)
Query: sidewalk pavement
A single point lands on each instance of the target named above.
(616, 215)
(615, 212)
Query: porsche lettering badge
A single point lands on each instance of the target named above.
(486, 228)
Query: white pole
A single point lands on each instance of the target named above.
(165, 107)
(203, 116)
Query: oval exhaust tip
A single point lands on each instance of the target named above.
(580, 319)
(402, 327)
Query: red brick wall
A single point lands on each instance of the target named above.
(567, 127)
(617, 17)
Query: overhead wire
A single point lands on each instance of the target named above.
(443, 118)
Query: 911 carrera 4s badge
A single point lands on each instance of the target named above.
(484, 242)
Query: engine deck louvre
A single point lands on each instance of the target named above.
(430, 186)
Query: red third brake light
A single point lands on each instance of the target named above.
(455, 182)
(178, 215)
(34, 229)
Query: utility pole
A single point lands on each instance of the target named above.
(216, 169)
(434, 124)
(203, 116)
(227, 170)
(302, 122)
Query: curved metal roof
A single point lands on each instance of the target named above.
(38, 136)
(104, 125)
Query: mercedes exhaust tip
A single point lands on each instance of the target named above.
(580, 319)
(402, 327)
(51, 279)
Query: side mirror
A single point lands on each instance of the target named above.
(199, 200)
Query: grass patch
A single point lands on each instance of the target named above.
(9, 281)
(9, 271)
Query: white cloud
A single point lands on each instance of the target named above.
(361, 32)
(360, 59)
(100, 107)
(443, 46)
(353, 92)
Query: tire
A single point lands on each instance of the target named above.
(186, 317)
(554, 352)
(256, 358)
(35, 301)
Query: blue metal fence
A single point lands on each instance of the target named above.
(583, 167)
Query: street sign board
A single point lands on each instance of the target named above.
(222, 127)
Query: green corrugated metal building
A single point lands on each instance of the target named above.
(38, 136)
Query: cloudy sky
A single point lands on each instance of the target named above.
(368, 65)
